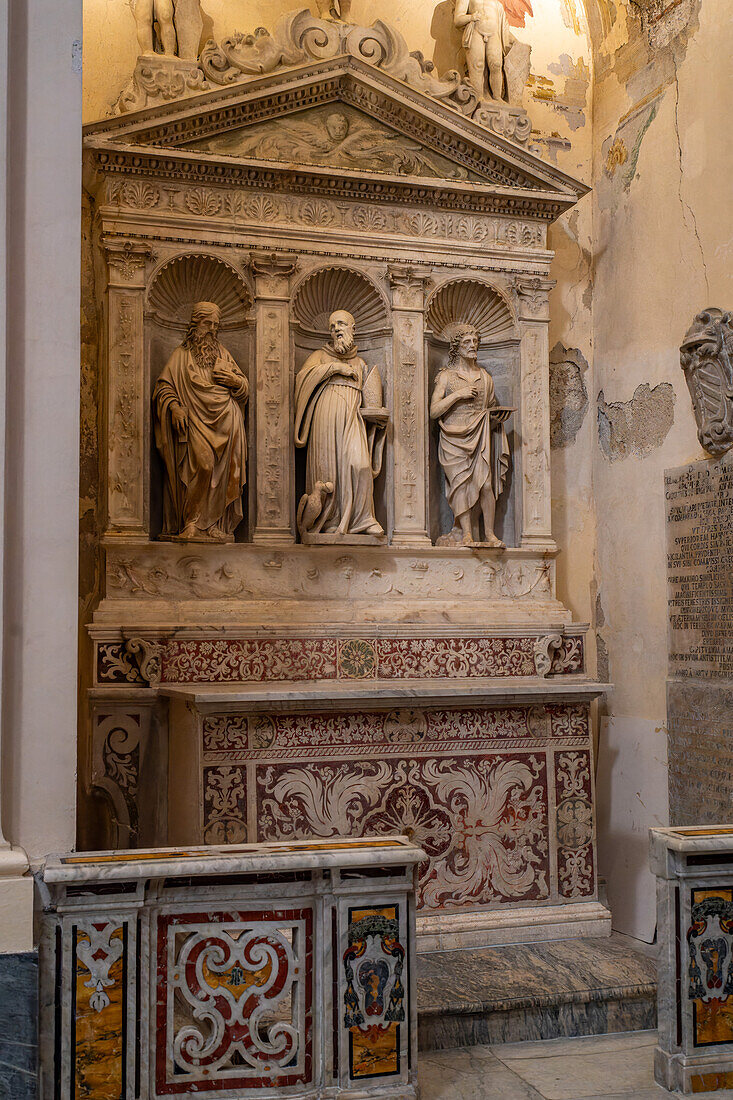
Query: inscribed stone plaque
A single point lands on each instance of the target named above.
(700, 724)
(699, 502)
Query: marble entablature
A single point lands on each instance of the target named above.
(188, 209)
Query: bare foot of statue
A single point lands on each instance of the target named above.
(191, 531)
(375, 529)
(493, 541)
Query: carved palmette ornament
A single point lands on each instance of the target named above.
(706, 356)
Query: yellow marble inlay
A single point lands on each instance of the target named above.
(693, 830)
(98, 1052)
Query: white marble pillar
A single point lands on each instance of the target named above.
(532, 302)
(39, 482)
(273, 386)
(410, 407)
(128, 439)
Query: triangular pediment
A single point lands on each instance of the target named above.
(347, 115)
(334, 135)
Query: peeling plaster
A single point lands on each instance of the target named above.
(603, 663)
(638, 426)
(568, 395)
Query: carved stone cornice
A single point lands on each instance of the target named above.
(186, 168)
(127, 259)
(409, 286)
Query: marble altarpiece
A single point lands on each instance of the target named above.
(293, 677)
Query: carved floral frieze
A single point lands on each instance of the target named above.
(251, 208)
(231, 660)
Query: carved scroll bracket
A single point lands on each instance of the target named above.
(120, 734)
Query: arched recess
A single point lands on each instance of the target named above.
(321, 292)
(317, 295)
(476, 302)
(471, 301)
(182, 281)
(174, 288)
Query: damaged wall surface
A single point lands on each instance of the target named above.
(662, 251)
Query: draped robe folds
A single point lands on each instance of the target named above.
(471, 451)
(207, 470)
(342, 448)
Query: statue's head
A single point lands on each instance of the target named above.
(205, 321)
(343, 330)
(463, 342)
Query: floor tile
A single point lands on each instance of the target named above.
(471, 1073)
(569, 1076)
(596, 1044)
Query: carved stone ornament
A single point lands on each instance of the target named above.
(488, 45)
(199, 431)
(472, 447)
(341, 419)
(301, 37)
(706, 357)
(169, 27)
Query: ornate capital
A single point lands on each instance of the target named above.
(531, 296)
(272, 272)
(409, 285)
(127, 260)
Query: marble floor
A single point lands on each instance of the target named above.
(597, 1067)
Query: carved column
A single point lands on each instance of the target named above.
(127, 420)
(275, 487)
(410, 406)
(532, 300)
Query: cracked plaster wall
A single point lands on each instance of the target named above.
(663, 243)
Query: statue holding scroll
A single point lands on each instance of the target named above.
(199, 430)
(473, 448)
(340, 418)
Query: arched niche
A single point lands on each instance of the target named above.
(319, 294)
(478, 303)
(175, 286)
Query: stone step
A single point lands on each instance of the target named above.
(519, 992)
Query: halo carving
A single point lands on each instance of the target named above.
(329, 289)
(186, 280)
(472, 302)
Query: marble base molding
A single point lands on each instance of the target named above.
(271, 970)
(694, 869)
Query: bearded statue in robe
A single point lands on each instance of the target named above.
(339, 417)
(199, 430)
(473, 448)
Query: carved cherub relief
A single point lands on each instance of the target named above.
(199, 431)
(340, 418)
(339, 138)
(473, 448)
(706, 357)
